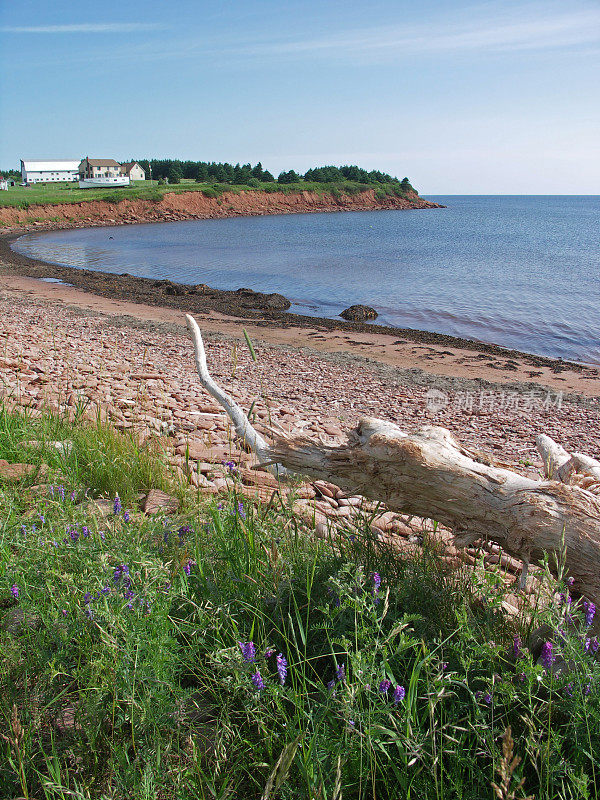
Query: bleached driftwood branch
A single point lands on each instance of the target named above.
(244, 430)
(429, 474)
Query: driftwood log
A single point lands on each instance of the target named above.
(429, 474)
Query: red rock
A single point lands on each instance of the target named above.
(15, 472)
(159, 502)
(252, 477)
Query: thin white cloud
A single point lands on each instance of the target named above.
(85, 27)
(525, 28)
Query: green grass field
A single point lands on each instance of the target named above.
(227, 652)
(51, 194)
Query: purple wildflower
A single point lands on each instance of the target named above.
(487, 698)
(230, 465)
(42, 519)
(340, 672)
(117, 507)
(85, 531)
(587, 689)
(126, 517)
(220, 506)
(74, 534)
(569, 689)
(248, 651)
(14, 590)
(73, 496)
(570, 581)
(87, 597)
(188, 566)
(335, 597)
(376, 585)
(331, 685)
(102, 535)
(590, 610)
(240, 509)
(24, 531)
(270, 652)
(517, 647)
(89, 612)
(282, 668)
(64, 612)
(384, 686)
(61, 492)
(258, 681)
(594, 644)
(122, 575)
(399, 694)
(547, 656)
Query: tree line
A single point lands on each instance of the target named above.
(174, 170)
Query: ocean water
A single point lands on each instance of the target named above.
(522, 272)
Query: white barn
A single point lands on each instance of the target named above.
(49, 171)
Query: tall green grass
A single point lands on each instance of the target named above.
(144, 658)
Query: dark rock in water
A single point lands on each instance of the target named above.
(277, 302)
(359, 313)
(273, 302)
(200, 288)
(175, 289)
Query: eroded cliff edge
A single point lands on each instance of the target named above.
(195, 205)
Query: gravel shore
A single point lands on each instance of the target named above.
(141, 373)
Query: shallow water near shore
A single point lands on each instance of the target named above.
(522, 272)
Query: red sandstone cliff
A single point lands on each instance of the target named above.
(194, 205)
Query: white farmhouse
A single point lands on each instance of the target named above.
(133, 170)
(60, 170)
(97, 173)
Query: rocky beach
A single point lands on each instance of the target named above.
(65, 348)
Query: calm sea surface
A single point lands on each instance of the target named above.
(523, 272)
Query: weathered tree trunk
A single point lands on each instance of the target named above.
(429, 474)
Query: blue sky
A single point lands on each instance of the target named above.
(463, 97)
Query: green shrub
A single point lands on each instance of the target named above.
(113, 197)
